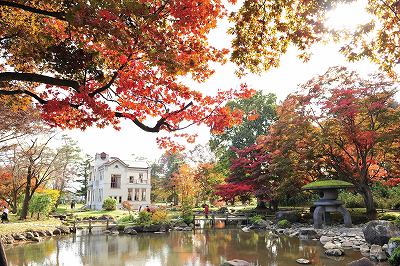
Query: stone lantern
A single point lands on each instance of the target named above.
(328, 202)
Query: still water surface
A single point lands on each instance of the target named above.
(204, 248)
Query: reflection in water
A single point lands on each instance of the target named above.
(204, 248)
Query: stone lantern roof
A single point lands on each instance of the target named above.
(327, 184)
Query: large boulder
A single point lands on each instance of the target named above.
(379, 232)
(64, 229)
(130, 230)
(261, 224)
(308, 233)
(42, 233)
(181, 224)
(335, 252)
(236, 262)
(19, 237)
(376, 253)
(361, 262)
(325, 239)
(106, 217)
(393, 244)
(152, 228)
(36, 239)
(291, 216)
(29, 235)
(331, 245)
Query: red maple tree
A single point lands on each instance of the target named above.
(101, 61)
(343, 126)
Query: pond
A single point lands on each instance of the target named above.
(202, 248)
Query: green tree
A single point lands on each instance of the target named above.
(162, 173)
(260, 114)
(83, 174)
(40, 203)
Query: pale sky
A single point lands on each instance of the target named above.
(281, 81)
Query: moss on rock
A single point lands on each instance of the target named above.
(323, 184)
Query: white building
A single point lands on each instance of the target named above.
(121, 180)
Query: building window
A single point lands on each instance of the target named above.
(120, 199)
(137, 191)
(143, 195)
(140, 178)
(115, 181)
(131, 179)
(130, 194)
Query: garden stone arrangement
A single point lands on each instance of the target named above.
(376, 240)
(34, 235)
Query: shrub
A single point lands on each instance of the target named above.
(144, 218)
(387, 216)
(256, 219)
(284, 224)
(187, 213)
(358, 216)
(127, 206)
(397, 221)
(110, 204)
(126, 219)
(40, 203)
(352, 200)
(160, 216)
(394, 259)
(54, 194)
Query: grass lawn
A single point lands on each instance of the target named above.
(94, 213)
(16, 226)
(63, 208)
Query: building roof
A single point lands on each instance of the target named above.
(128, 163)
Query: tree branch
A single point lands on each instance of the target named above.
(55, 14)
(32, 77)
(161, 122)
(15, 92)
(108, 85)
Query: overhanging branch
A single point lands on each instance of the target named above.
(29, 93)
(54, 14)
(32, 77)
(160, 123)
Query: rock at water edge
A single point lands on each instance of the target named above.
(303, 261)
(361, 262)
(236, 262)
(336, 252)
(379, 232)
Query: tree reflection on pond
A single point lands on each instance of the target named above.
(204, 247)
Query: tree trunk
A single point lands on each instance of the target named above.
(3, 258)
(14, 203)
(25, 205)
(366, 193)
(274, 204)
(261, 204)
